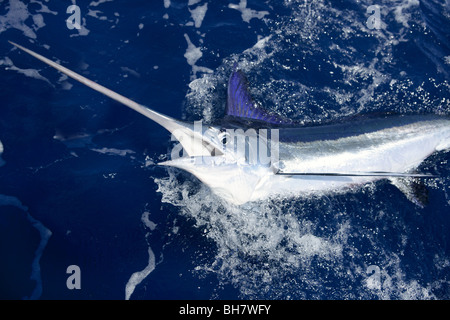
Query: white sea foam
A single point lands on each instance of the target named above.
(99, 2)
(247, 13)
(18, 15)
(198, 14)
(15, 18)
(147, 222)
(403, 9)
(32, 73)
(44, 235)
(137, 277)
(43, 8)
(38, 20)
(114, 151)
(166, 4)
(96, 14)
(192, 55)
(392, 282)
(192, 2)
(257, 244)
(131, 71)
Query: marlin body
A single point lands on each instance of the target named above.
(330, 158)
(304, 160)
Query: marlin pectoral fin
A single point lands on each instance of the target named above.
(193, 142)
(358, 174)
(414, 190)
(410, 184)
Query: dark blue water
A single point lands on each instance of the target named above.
(79, 185)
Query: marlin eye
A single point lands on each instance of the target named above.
(224, 137)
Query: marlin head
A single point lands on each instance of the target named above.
(245, 163)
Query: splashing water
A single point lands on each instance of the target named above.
(316, 248)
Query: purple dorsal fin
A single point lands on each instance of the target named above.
(241, 104)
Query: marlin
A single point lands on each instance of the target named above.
(305, 159)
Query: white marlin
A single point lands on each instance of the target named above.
(306, 160)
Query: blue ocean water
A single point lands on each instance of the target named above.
(79, 184)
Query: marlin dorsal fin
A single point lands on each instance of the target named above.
(240, 102)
